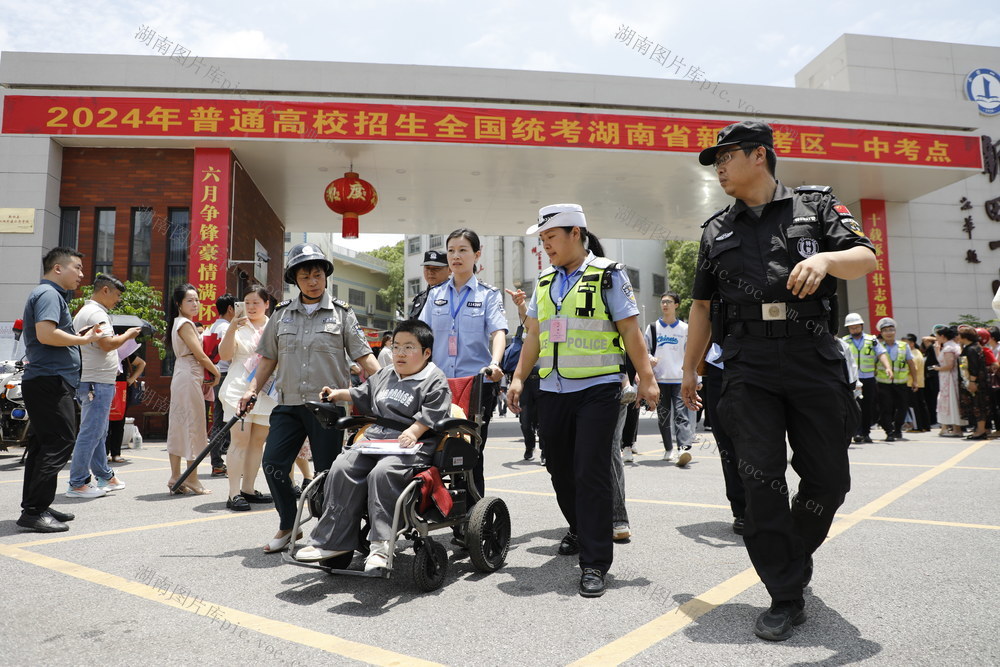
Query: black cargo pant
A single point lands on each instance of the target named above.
(893, 400)
(796, 386)
(578, 428)
(49, 401)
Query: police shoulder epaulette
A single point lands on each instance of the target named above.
(342, 304)
(605, 263)
(819, 189)
(282, 304)
(489, 287)
(714, 216)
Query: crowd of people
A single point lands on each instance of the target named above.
(758, 345)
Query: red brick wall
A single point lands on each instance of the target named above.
(253, 219)
(160, 179)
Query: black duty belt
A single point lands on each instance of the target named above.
(791, 310)
(780, 328)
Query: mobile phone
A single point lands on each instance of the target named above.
(240, 309)
(85, 330)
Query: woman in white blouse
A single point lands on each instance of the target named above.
(247, 438)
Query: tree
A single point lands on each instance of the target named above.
(682, 261)
(393, 293)
(973, 321)
(140, 300)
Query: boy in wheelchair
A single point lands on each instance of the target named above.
(412, 391)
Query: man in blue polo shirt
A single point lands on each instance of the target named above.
(50, 381)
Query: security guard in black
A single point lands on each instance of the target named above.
(767, 271)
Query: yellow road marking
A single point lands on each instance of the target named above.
(646, 636)
(65, 475)
(930, 522)
(240, 620)
(135, 529)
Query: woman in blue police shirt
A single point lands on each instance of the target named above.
(581, 321)
(470, 326)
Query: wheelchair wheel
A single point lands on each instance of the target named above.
(430, 566)
(488, 535)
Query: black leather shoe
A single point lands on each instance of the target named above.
(238, 504)
(807, 572)
(775, 624)
(42, 523)
(858, 439)
(592, 583)
(891, 438)
(60, 516)
(529, 453)
(257, 497)
(570, 545)
(867, 439)
(738, 525)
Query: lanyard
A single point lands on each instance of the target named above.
(457, 308)
(565, 285)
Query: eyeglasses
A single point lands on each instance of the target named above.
(667, 302)
(722, 159)
(405, 349)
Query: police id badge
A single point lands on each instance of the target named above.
(557, 330)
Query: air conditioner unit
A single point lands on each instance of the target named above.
(370, 309)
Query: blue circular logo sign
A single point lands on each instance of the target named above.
(982, 86)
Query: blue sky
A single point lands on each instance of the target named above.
(728, 41)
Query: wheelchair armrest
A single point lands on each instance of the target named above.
(454, 424)
(354, 421)
(326, 414)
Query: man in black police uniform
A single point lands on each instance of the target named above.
(767, 272)
(435, 272)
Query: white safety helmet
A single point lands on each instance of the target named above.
(852, 319)
(885, 322)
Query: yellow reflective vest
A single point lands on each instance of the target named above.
(900, 369)
(865, 356)
(593, 346)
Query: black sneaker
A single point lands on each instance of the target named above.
(257, 497)
(890, 438)
(238, 504)
(858, 439)
(738, 525)
(775, 624)
(220, 471)
(592, 583)
(529, 453)
(570, 545)
(867, 439)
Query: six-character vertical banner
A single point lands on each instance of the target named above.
(210, 209)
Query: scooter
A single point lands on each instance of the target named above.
(14, 420)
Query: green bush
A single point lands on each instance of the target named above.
(140, 300)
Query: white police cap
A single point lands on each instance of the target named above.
(559, 215)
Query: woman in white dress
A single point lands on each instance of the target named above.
(246, 447)
(947, 352)
(186, 428)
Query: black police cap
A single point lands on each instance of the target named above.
(745, 132)
(434, 258)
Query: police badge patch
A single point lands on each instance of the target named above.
(627, 291)
(808, 247)
(852, 225)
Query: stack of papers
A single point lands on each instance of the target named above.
(384, 447)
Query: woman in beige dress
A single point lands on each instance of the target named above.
(246, 447)
(186, 427)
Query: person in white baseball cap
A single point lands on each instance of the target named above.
(581, 322)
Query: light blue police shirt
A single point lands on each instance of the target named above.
(621, 305)
(478, 312)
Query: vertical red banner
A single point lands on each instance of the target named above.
(879, 282)
(210, 212)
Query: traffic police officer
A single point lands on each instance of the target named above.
(309, 340)
(866, 349)
(894, 395)
(435, 272)
(767, 271)
(581, 321)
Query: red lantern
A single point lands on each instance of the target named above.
(350, 196)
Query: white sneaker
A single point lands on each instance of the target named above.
(113, 484)
(670, 456)
(627, 454)
(683, 459)
(378, 557)
(85, 491)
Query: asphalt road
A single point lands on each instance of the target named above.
(910, 575)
